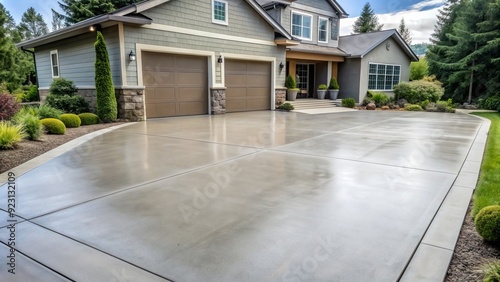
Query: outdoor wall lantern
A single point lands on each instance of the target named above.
(93, 28)
(131, 56)
(219, 60)
(281, 66)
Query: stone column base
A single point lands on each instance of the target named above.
(130, 103)
(218, 101)
(280, 96)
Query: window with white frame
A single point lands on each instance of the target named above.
(54, 62)
(322, 30)
(219, 12)
(383, 76)
(301, 25)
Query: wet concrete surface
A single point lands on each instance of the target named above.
(260, 196)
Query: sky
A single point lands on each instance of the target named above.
(419, 15)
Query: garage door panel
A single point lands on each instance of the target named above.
(248, 86)
(190, 94)
(198, 79)
(148, 77)
(189, 62)
(191, 108)
(162, 78)
(163, 93)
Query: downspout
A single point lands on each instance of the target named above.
(36, 71)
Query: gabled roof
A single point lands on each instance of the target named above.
(271, 3)
(131, 14)
(359, 45)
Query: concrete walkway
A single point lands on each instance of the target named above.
(260, 196)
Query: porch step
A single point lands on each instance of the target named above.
(306, 104)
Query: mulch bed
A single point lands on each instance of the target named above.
(27, 150)
(471, 253)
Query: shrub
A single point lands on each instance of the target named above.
(30, 122)
(424, 104)
(322, 87)
(69, 104)
(492, 272)
(10, 135)
(286, 107)
(380, 99)
(333, 84)
(31, 94)
(107, 109)
(418, 91)
(367, 100)
(8, 106)
(54, 126)
(70, 120)
(290, 82)
(449, 110)
(45, 111)
(62, 86)
(348, 103)
(88, 118)
(487, 223)
(490, 103)
(441, 106)
(413, 108)
(418, 70)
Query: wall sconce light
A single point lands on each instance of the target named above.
(93, 28)
(131, 56)
(281, 66)
(219, 60)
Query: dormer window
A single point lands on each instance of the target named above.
(219, 12)
(301, 25)
(322, 30)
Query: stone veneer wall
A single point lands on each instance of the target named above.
(130, 104)
(280, 94)
(218, 101)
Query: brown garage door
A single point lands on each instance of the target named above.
(176, 85)
(248, 86)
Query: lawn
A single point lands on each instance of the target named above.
(488, 188)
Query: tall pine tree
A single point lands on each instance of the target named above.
(32, 25)
(79, 10)
(404, 31)
(367, 21)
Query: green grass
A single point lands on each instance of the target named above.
(488, 188)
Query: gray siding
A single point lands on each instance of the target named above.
(77, 57)
(349, 79)
(318, 4)
(381, 55)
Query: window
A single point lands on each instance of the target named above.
(219, 12)
(383, 77)
(334, 31)
(301, 25)
(323, 30)
(54, 61)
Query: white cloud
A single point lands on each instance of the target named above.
(420, 23)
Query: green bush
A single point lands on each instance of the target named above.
(290, 82)
(348, 103)
(107, 108)
(30, 122)
(492, 272)
(413, 108)
(441, 106)
(286, 107)
(10, 135)
(487, 223)
(424, 104)
(367, 100)
(322, 87)
(490, 103)
(380, 99)
(333, 84)
(88, 118)
(70, 120)
(31, 94)
(68, 104)
(54, 126)
(46, 111)
(418, 91)
(62, 86)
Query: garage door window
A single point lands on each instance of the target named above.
(219, 12)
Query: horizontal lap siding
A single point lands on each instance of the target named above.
(77, 57)
(318, 4)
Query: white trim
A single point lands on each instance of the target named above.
(123, 67)
(209, 34)
(52, 64)
(327, 33)
(329, 72)
(226, 18)
(311, 27)
(313, 10)
(271, 60)
(385, 74)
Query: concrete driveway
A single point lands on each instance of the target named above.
(259, 196)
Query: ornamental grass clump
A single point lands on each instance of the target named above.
(10, 135)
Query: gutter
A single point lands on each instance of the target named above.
(36, 70)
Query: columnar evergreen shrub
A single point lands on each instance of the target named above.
(290, 82)
(105, 92)
(333, 84)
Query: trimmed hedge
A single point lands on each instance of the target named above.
(487, 223)
(88, 118)
(70, 120)
(54, 126)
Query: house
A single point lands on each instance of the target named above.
(377, 61)
(316, 23)
(174, 57)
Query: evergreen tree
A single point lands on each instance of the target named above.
(79, 10)
(404, 32)
(57, 20)
(105, 91)
(367, 21)
(32, 25)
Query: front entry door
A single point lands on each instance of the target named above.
(305, 80)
